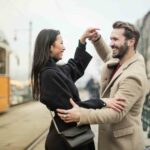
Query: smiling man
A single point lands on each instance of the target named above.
(122, 76)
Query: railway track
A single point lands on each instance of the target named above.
(37, 140)
(24, 127)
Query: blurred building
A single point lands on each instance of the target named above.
(4, 54)
(3, 38)
(144, 43)
(144, 48)
(16, 91)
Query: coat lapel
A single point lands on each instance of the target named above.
(116, 75)
(107, 72)
(110, 67)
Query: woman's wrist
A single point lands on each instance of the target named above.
(83, 39)
(81, 45)
(105, 103)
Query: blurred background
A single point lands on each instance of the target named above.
(21, 21)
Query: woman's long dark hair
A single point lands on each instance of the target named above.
(43, 42)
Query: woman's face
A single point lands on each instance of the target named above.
(57, 49)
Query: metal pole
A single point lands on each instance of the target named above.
(30, 48)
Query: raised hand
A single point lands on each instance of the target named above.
(90, 33)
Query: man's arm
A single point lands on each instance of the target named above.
(103, 50)
(73, 115)
(130, 89)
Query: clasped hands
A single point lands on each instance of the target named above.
(91, 34)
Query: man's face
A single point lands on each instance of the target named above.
(119, 44)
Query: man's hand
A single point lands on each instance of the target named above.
(70, 115)
(95, 37)
(117, 104)
(90, 33)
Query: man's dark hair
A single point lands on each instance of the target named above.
(130, 31)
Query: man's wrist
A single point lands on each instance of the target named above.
(98, 38)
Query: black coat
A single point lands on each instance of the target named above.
(57, 86)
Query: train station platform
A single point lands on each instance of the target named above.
(22, 124)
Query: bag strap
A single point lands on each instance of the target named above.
(55, 123)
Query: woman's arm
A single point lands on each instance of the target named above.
(92, 103)
(75, 67)
(54, 92)
(116, 104)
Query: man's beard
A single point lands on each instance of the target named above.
(122, 50)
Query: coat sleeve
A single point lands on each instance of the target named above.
(103, 50)
(92, 103)
(128, 90)
(54, 91)
(56, 94)
(75, 67)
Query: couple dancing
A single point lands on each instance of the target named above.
(123, 84)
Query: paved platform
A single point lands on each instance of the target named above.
(22, 124)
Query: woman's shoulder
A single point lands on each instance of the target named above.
(49, 72)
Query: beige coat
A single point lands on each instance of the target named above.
(119, 131)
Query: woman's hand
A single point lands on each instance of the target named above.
(70, 115)
(90, 33)
(117, 104)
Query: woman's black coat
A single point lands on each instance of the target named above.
(57, 86)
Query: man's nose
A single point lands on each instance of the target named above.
(111, 44)
(64, 48)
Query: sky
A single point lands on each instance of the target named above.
(71, 17)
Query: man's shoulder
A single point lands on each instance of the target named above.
(139, 55)
(135, 71)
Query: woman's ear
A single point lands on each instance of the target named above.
(51, 48)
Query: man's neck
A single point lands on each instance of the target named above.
(127, 56)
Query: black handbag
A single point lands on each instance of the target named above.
(75, 136)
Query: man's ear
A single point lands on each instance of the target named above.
(131, 42)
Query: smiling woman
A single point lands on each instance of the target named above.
(54, 85)
(57, 48)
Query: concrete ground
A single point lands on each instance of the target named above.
(22, 124)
